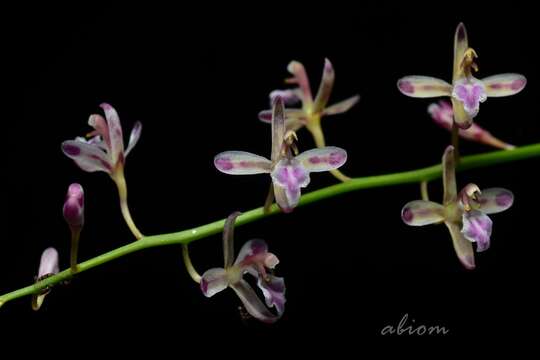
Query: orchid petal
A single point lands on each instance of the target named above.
(462, 119)
(461, 44)
(504, 84)
(495, 200)
(251, 248)
(462, 246)
(88, 157)
(241, 163)
(341, 106)
(134, 137)
(325, 87)
(278, 128)
(228, 239)
(101, 129)
(214, 281)
(477, 228)
(289, 96)
(301, 79)
(273, 289)
(252, 303)
(115, 132)
(294, 118)
(470, 92)
(282, 200)
(323, 159)
(290, 175)
(423, 86)
(421, 212)
(443, 115)
(449, 175)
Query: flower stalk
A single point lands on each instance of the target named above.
(200, 232)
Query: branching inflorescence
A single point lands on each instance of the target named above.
(465, 213)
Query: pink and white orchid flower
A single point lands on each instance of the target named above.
(104, 151)
(289, 173)
(253, 259)
(465, 214)
(312, 110)
(443, 115)
(466, 91)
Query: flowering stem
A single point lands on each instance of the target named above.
(187, 236)
(455, 141)
(189, 265)
(318, 136)
(75, 234)
(424, 190)
(120, 181)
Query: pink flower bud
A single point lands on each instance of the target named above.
(74, 206)
(48, 263)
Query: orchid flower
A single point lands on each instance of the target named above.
(465, 214)
(466, 91)
(253, 259)
(443, 115)
(48, 266)
(74, 215)
(311, 112)
(289, 173)
(104, 151)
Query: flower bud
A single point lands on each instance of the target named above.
(47, 266)
(74, 206)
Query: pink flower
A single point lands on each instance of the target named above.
(443, 115)
(289, 173)
(253, 259)
(465, 214)
(466, 91)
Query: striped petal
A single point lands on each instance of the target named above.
(323, 159)
(421, 212)
(477, 228)
(341, 106)
(87, 156)
(294, 118)
(461, 44)
(134, 137)
(278, 128)
(115, 132)
(289, 96)
(504, 84)
(495, 200)
(241, 163)
(301, 79)
(424, 86)
(252, 303)
(325, 87)
(462, 246)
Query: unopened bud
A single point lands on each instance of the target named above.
(74, 206)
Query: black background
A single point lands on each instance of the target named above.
(196, 77)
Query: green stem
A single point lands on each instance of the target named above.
(187, 236)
